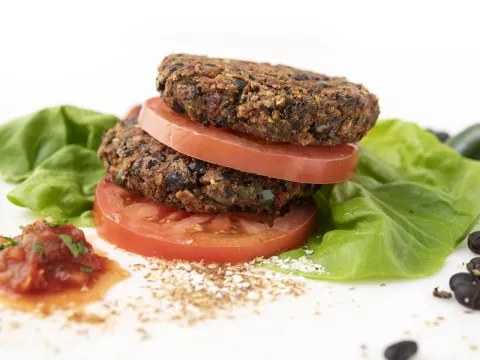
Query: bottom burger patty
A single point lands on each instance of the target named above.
(143, 165)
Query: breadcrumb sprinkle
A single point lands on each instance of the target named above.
(189, 292)
(302, 264)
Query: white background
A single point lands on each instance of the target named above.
(422, 59)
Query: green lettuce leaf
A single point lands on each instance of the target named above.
(28, 141)
(412, 200)
(53, 152)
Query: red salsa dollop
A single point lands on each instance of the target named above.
(47, 257)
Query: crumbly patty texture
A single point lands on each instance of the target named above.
(143, 165)
(276, 103)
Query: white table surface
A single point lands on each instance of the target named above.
(421, 59)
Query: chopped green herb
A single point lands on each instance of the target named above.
(37, 247)
(10, 242)
(44, 256)
(76, 248)
(86, 269)
(56, 223)
(119, 179)
(21, 227)
(266, 197)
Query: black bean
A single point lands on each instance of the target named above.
(296, 125)
(300, 76)
(229, 192)
(474, 242)
(161, 87)
(192, 92)
(321, 84)
(462, 278)
(240, 84)
(178, 108)
(473, 266)
(206, 123)
(137, 163)
(251, 77)
(402, 350)
(173, 178)
(151, 163)
(197, 166)
(221, 121)
(468, 295)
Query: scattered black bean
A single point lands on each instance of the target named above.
(441, 135)
(474, 242)
(468, 295)
(473, 266)
(462, 278)
(402, 350)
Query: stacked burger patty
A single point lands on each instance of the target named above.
(274, 103)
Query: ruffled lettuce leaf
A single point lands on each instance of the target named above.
(53, 151)
(411, 202)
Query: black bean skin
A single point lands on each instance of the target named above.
(462, 278)
(178, 108)
(468, 295)
(402, 350)
(474, 242)
(473, 266)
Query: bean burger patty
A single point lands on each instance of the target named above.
(276, 103)
(143, 165)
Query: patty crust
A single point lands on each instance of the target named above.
(274, 102)
(143, 165)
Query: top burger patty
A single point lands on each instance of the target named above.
(277, 103)
(143, 165)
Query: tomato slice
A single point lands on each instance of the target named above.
(307, 164)
(142, 226)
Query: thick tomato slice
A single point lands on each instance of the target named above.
(139, 225)
(307, 164)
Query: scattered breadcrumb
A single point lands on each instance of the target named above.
(302, 264)
(80, 316)
(144, 335)
(189, 292)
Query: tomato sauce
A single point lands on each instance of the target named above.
(52, 266)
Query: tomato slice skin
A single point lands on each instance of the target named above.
(307, 164)
(123, 223)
